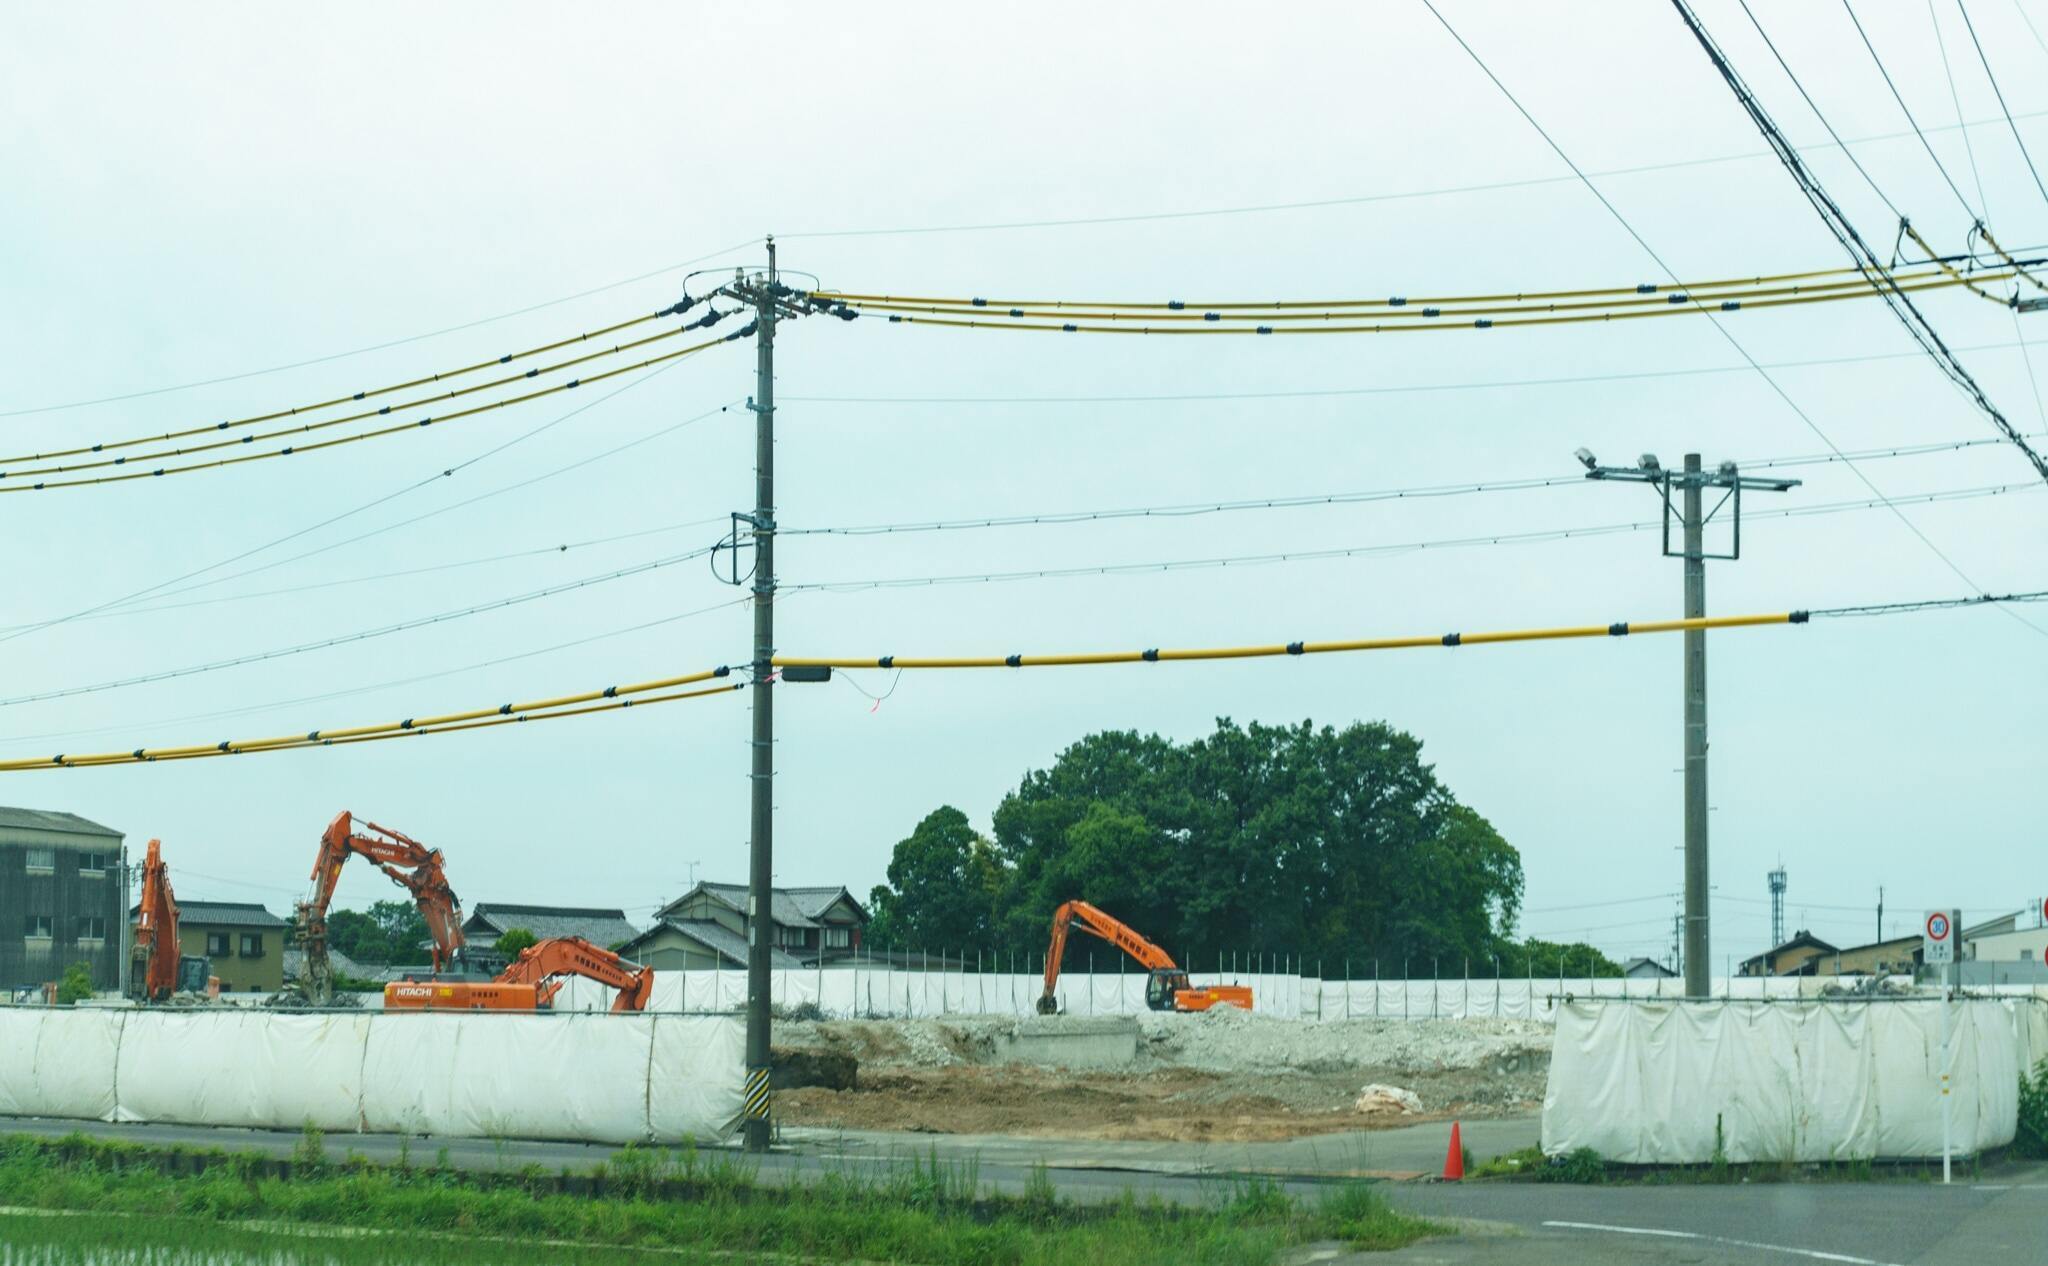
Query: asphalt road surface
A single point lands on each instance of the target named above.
(1998, 1216)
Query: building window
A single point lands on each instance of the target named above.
(2026, 955)
(38, 927)
(217, 946)
(93, 865)
(838, 938)
(92, 929)
(252, 945)
(42, 860)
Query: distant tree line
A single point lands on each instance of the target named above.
(1317, 843)
(388, 933)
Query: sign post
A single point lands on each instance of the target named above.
(1938, 947)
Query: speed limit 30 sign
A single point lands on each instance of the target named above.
(1938, 940)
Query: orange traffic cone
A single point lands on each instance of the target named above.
(1454, 1163)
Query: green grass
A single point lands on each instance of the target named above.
(684, 1204)
(1586, 1166)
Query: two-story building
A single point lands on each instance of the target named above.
(489, 920)
(1799, 956)
(245, 941)
(707, 927)
(63, 886)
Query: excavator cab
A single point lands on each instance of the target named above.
(1164, 987)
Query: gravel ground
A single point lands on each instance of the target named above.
(1223, 1074)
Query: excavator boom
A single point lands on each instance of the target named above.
(1169, 987)
(410, 864)
(156, 928)
(531, 981)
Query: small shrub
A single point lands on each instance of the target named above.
(1361, 1217)
(2031, 1140)
(1580, 1165)
(514, 940)
(801, 1011)
(311, 1149)
(1516, 1164)
(76, 986)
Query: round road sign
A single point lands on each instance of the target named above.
(1937, 926)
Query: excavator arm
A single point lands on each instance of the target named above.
(544, 963)
(412, 865)
(156, 928)
(1110, 929)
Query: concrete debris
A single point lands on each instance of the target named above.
(1229, 1040)
(1377, 1099)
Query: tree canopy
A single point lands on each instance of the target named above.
(389, 932)
(514, 940)
(1315, 842)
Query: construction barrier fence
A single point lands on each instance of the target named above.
(860, 991)
(1649, 1083)
(597, 1078)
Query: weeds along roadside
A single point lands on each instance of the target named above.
(921, 1210)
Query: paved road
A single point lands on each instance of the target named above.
(2000, 1217)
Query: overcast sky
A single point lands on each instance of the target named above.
(197, 193)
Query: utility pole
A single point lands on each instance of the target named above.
(761, 853)
(1691, 482)
(772, 302)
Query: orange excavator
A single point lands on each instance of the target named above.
(530, 982)
(411, 864)
(160, 970)
(1169, 988)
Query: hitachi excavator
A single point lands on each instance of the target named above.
(408, 862)
(531, 982)
(1168, 989)
(159, 969)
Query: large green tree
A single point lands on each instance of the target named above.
(944, 882)
(1298, 840)
(389, 932)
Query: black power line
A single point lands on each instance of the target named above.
(1903, 107)
(1851, 241)
(1778, 143)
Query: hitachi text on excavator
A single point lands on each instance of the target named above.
(529, 983)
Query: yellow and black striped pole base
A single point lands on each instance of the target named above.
(756, 1108)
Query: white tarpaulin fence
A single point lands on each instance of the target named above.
(847, 992)
(600, 1078)
(1669, 1083)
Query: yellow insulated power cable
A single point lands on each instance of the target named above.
(287, 451)
(1281, 305)
(1291, 648)
(305, 428)
(365, 394)
(2000, 251)
(1427, 311)
(229, 747)
(1376, 327)
(1906, 227)
(514, 719)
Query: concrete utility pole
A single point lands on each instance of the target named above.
(761, 854)
(1693, 520)
(772, 302)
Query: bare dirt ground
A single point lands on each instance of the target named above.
(1235, 1078)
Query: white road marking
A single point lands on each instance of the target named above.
(1810, 1254)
